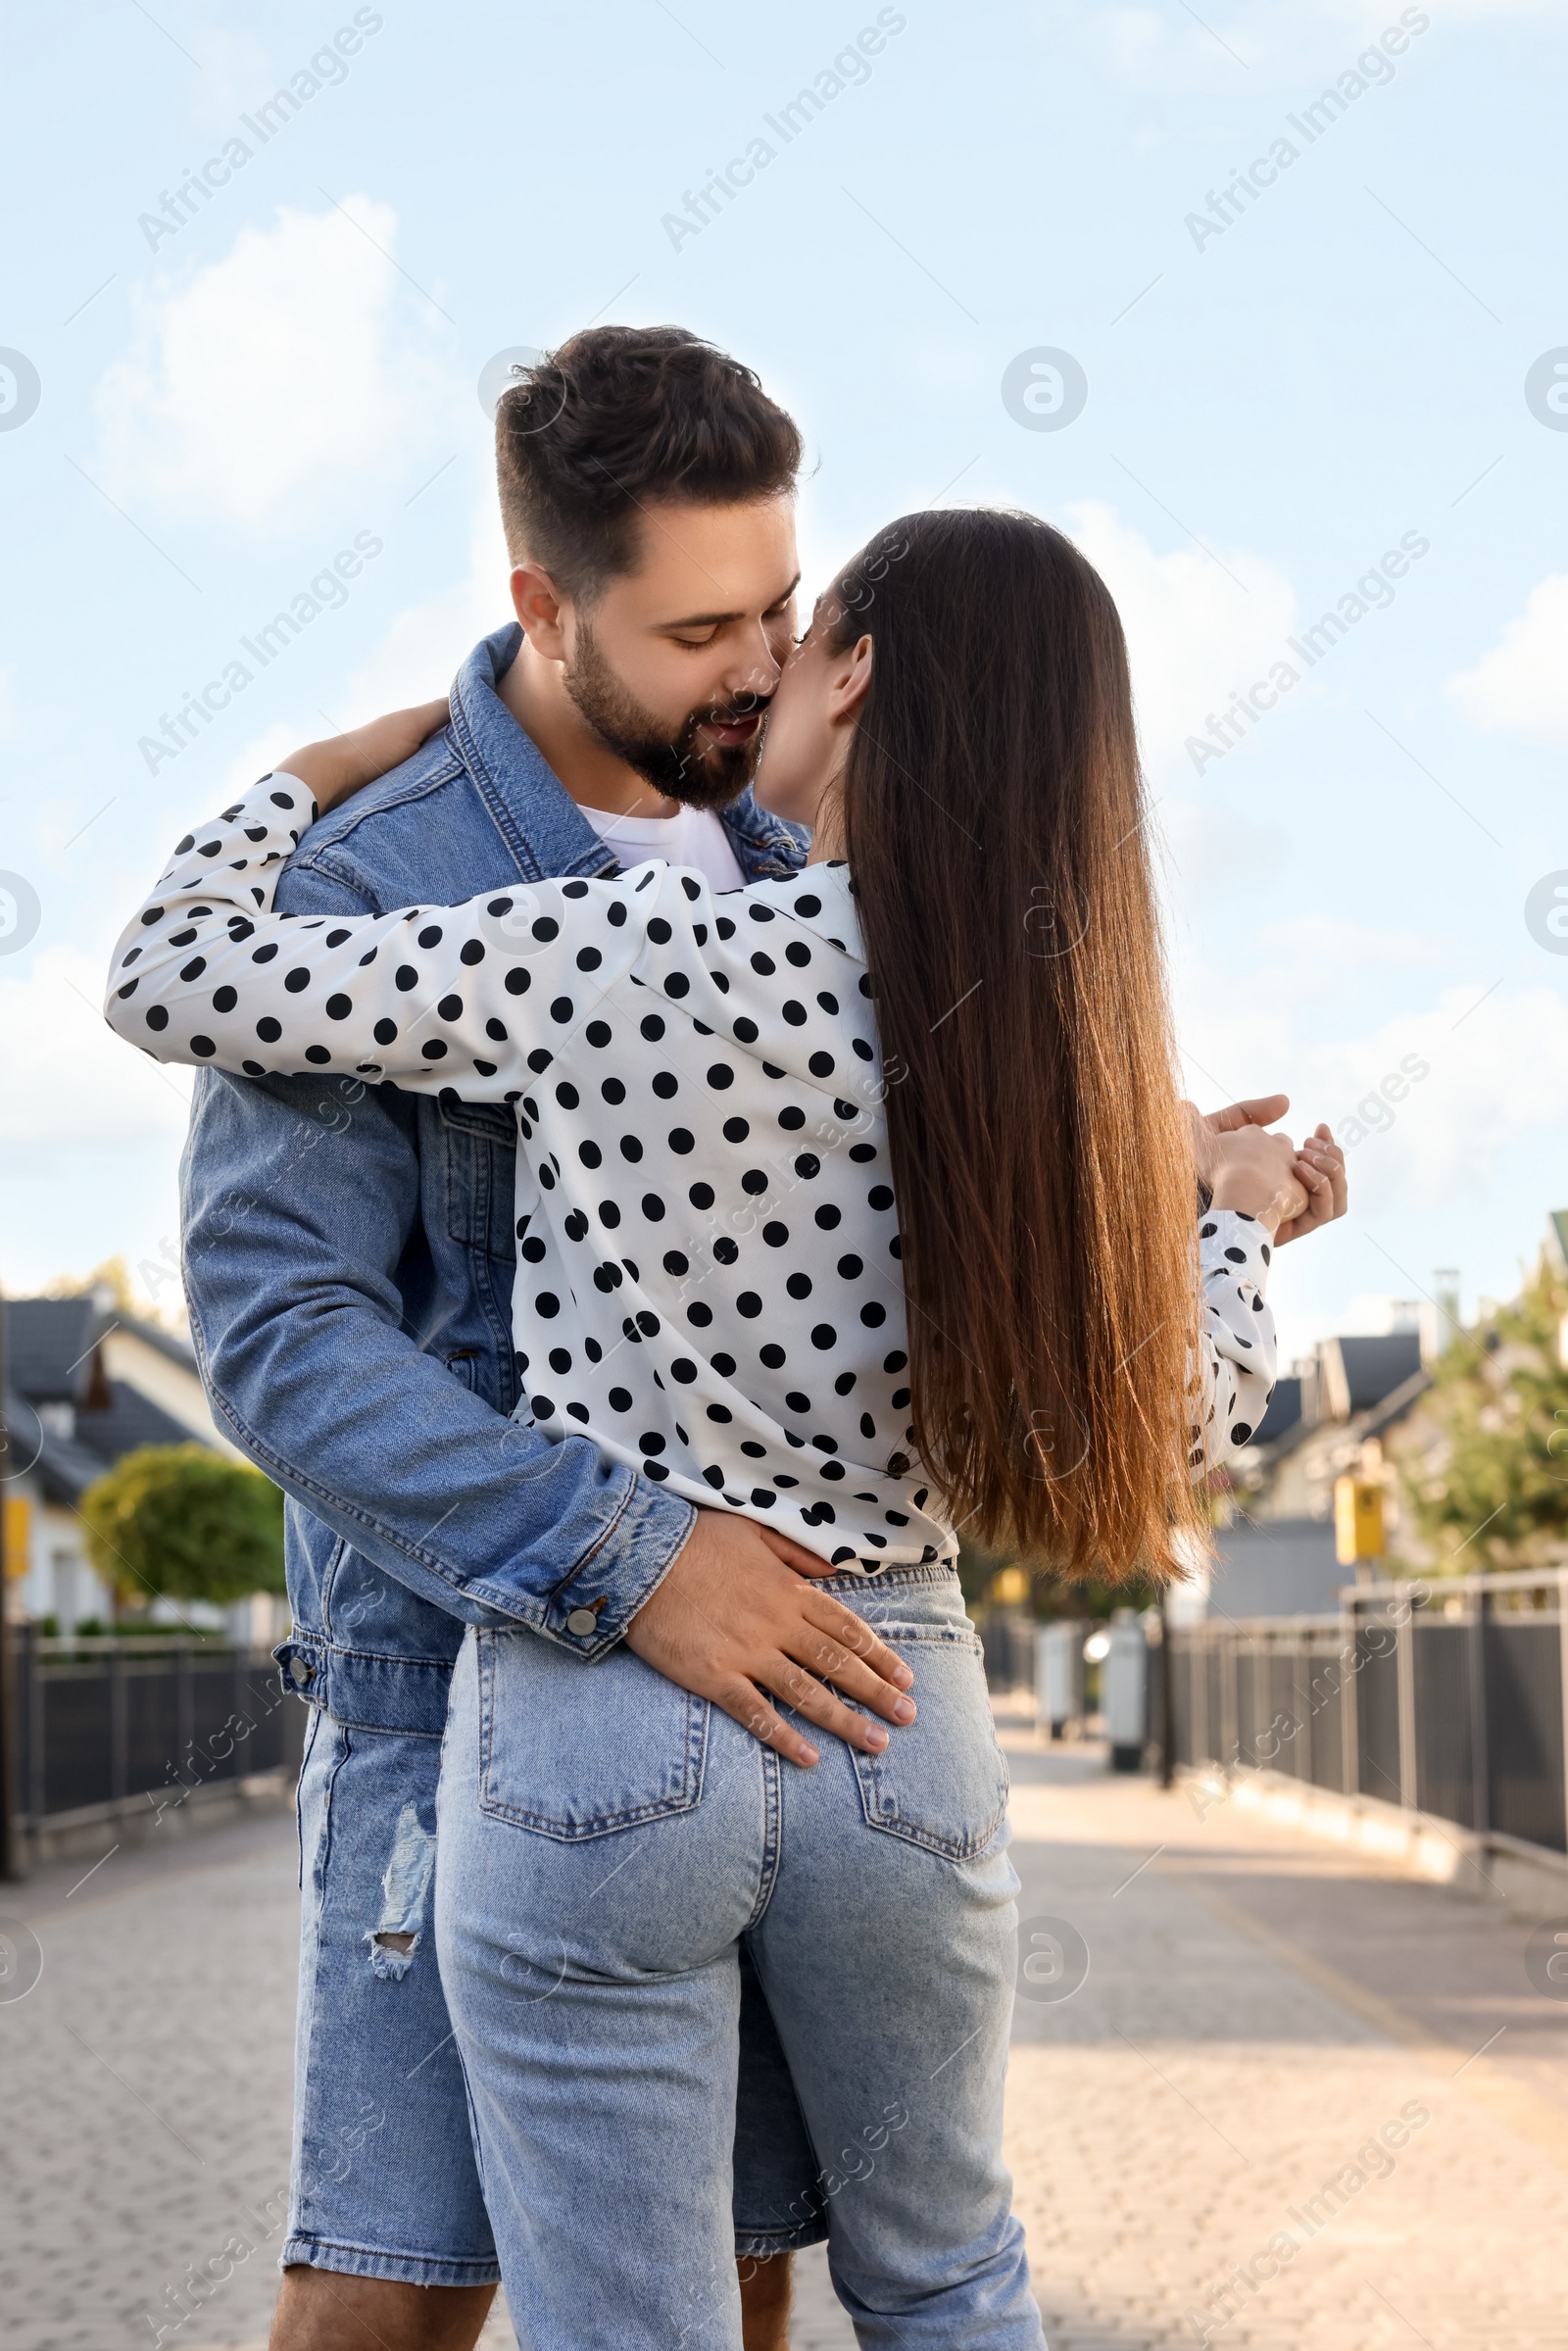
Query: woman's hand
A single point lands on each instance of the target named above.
(344, 764)
(1320, 1171)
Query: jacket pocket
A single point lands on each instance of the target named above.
(479, 1149)
(942, 1783)
(573, 1750)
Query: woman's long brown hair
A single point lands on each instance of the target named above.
(995, 823)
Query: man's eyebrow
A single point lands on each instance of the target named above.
(713, 619)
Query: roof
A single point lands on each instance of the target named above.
(1396, 1403)
(1324, 1404)
(51, 1343)
(55, 1356)
(1284, 1410)
(68, 1465)
(1358, 1373)
(49, 1346)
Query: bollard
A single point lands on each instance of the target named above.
(1059, 1676)
(1124, 1680)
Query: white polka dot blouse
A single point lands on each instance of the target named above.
(707, 1282)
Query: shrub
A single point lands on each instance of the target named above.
(186, 1522)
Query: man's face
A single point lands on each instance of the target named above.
(674, 667)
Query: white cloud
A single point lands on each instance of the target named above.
(69, 1086)
(1311, 959)
(420, 650)
(1521, 686)
(1158, 49)
(1149, 50)
(1215, 849)
(65, 1077)
(415, 660)
(236, 72)
(282, 374)
(1193, 637)
(1323, 938)
(1496, 1078)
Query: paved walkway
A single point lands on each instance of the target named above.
(1202, 2128)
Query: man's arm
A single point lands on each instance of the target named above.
(300, 1196)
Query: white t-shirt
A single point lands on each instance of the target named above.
(691, 837)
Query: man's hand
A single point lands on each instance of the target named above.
(738, 1615)
(1253, 1171)
(1318, 1167)
(345, 764)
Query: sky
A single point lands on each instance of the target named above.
(1266, 307)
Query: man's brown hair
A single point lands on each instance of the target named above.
(617, 419)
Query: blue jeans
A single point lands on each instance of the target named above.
(384, 2183)
(384, 2180)
(610, 1848)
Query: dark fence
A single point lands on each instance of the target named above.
(1448, 1698)
(105, 1726)
(1007, 1642)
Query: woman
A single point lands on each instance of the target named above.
(717, 1102)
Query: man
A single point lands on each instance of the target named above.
(350, 1254)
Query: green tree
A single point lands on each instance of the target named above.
(1485, 1465)
(186, 1522)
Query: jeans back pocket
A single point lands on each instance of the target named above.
(574, 1750)
(941, 1782)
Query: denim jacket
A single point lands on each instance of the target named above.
(349, 1254)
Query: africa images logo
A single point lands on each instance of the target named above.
(19, 389)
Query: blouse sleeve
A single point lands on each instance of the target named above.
(462, 997)
(1237, 1372)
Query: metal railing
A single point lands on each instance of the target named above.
(1447, 1696)
(106, 1725)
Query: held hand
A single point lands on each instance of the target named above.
(344, 764)
(738, 1615)
(1320, 1171)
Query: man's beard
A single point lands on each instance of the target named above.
(699, 775)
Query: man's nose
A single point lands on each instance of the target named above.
(757, 667)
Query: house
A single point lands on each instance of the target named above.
(1275, 1549)
(85, 1385)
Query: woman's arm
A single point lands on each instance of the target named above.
(1237, 1366)
(454, 997)
(1254, 1186)
(342, 765)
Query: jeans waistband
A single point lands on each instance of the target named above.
(940, 1571)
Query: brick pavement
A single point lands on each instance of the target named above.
(1257, 2006)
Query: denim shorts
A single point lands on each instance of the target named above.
(612, 1849)
(385, 2184)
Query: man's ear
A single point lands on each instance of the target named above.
(539, 606)
(848, 691)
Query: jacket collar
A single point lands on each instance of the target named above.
(532, 809)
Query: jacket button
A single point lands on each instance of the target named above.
(582, 1621)
(300, 1671)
